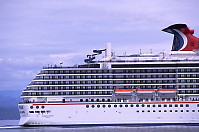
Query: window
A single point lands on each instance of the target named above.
(159, 111)
(148, 105)
(153, 105)
(142, 110)
(137, 111)
(181, 111)
(42, 107)
(176, 110)
(170, 105)
(142, 105)
(31, 111)
(131, 105)
(115, 105)
(193, 110)
(98, 106)
(42, 112)
(187, 105)
(187, 110)
(103, 106)
(93, 106)
(170, 111)
(31, 107)
(153, 110)
(87, 106)
(81, 100)
(165, 105)
(37, 111)
(181, 105)
(165, 110)
(121, 105)
(159, 105)
(126, 105)
(137, 105)
(37, 107)
(176, 105)
(109, 106)
(148, 110)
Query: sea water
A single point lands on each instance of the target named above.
(12, 126)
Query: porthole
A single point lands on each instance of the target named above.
(109, 100)
(121, 105)
(115, 105)
(109, 106)
(165, 105)
(176, 110)
(181, 105)
(86, 100)
(153, 110)
(159, 110)
(187, 110)
(98, 106)
(187, 105)
(148, 105)
(92, 100)
(87, 106)
(131, 105)
(153, 105)
(37, 107)
(142, 105)
(176, 105)
(193, 110)
(137, 105)
(142, 110)
(103, 106)
(165, 110)
(81, 100)
(126, 105)
(31, 111)
(31, 107)
(148, 110)
(103, 100)
(93, 106)
(170, 105)
(181, 111)
(98, 100)
(170, 111)
(159, 105)
(42, 107)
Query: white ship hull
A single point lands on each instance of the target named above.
(79, 114)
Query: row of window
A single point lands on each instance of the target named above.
(109, 82)
(118, 76)
(139, 105)
(37, 107)
(165, 111)
(67, 93)
(118, 71)
(48, 111)
(70, 88)
(114, 82)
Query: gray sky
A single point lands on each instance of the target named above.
(35, 33)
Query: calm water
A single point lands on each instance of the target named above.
(12, 126)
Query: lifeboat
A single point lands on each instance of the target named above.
(123, 91)
(167, 90)
(145, 91)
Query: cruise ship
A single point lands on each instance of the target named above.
(136, 89)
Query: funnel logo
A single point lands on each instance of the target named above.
(183, 38)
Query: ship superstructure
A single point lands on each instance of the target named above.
(119, 90)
